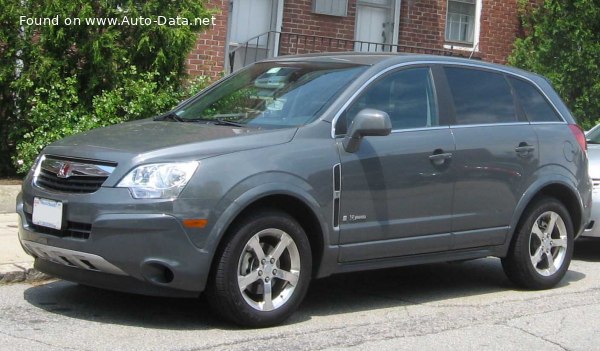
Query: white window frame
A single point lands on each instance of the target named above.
(476, 31)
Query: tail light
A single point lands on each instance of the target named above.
(579, 135)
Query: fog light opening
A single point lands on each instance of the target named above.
(158, 273)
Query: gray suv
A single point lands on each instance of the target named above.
(301, 167)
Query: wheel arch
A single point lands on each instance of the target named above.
(563, 191)
(290, 199)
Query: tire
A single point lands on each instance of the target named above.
(266, 250)
(539, 256)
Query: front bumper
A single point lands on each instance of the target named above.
(115, 247)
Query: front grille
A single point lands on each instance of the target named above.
(82, 185)
(75, 230)
(72, 175)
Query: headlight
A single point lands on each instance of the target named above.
(159, 180)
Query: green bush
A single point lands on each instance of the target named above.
(562, 42)
(59, 80)
(57, 111)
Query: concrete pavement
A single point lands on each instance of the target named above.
(8, 194)
(15, 264)
(448, 306)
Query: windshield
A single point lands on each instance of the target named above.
(271, 94)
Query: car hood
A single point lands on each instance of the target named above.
(148, 141)
(594, 160)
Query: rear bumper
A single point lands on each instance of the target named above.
(593, 228)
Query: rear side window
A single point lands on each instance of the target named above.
(480, 97)
(407, 96)
(534, 104)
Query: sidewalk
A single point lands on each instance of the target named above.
(15, 264)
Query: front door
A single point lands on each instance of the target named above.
(396, 191)
(375, 25)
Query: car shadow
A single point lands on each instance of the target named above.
(587, 249)
(339, 294)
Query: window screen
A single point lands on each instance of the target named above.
(480, 97)
(460, 21)
(534, 104)
(407, 96)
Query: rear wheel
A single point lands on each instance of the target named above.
(542, 249)
(263, 271)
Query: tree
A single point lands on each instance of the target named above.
(562, 42)
(62, 76)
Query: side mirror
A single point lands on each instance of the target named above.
(368, 122)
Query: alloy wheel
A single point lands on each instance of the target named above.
(268, 269)
(548, 243)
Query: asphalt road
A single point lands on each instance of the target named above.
(454, 306)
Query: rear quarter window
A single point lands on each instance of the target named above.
(480, 97)
(535, 106)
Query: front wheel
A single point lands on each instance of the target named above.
(542, 249)
(263, 271)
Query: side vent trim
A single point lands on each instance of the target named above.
(337, 191)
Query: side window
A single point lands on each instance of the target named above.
(534, 104)
(480, 97)
(407, 96)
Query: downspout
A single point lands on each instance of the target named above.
(278, 27)
(396, 30)
(228, 67)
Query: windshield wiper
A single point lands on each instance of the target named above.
(225, 122)
(216, 121)
(171, 115)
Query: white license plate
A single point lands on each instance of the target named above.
(47, 213)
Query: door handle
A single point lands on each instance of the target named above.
(439, 157)
(524, 149)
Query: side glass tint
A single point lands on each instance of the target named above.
(480, 97)
(407, 96)
(534, 104)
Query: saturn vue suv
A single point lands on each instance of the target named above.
(300, 167)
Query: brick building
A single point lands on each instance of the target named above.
(250, 30)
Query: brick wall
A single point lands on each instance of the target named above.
(422, 24)
(208, 56)
(499, 29)
(299, 19)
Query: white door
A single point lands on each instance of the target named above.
(375, 25)
(250, 18)
(250, 39)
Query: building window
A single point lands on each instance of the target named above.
(461, 21)
(330, 7)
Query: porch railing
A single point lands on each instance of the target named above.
(273, 44)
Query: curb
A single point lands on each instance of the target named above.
(21, 273)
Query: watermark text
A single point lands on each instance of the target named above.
(117, 21)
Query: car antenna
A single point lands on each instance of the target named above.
(473, 51)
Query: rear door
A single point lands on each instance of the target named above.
(496, 155)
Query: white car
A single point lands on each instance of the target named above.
(593, 140)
